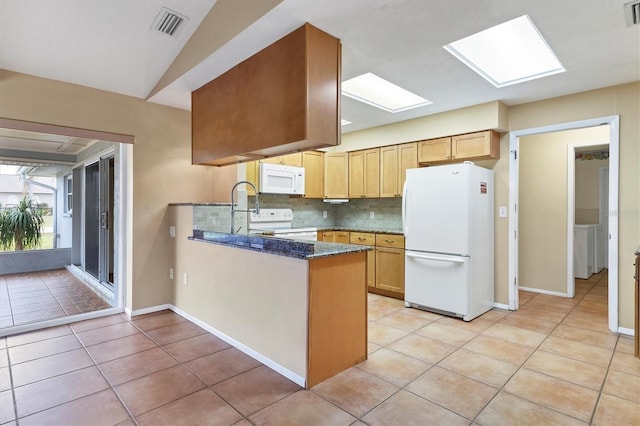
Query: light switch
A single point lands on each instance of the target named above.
(502, 211)
(172, 231)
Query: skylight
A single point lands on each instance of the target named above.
(509, 53)
(378, 92)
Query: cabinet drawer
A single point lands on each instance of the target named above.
(390, 240)
(362, 238)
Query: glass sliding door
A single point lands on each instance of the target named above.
(98, 220)
(92, 220)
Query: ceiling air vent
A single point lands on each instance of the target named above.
(169, 22)
(632, 12)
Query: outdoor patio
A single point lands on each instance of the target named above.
(39, 296)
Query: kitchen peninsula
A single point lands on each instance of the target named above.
(298, 307)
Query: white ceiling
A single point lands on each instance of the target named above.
(107, 44)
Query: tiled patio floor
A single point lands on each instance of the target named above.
(553, 362)
(39, 296)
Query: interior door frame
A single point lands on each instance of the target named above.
(571, 208)
(614, 150)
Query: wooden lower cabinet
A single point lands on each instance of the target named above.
(336, 237)
(367, 239)
(385, 264)
(390, 269)
(390, 264)
(337, 315)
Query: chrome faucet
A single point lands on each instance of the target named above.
(234, 210)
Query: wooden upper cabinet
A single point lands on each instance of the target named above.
(471, 146)
(336, 175)
(394, 162)
(253, 176)
(389, 171)
(294, 159)
(407, 159)
(434, 150)
(283, 99)
(313, 163)
(364, 173)
(479, 145)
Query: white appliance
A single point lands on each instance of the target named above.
(278, 222)
(280, 179)
(447, 220)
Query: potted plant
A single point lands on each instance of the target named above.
(20, 226)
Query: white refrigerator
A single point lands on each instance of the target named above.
(447, 219)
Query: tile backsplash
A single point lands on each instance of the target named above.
(354, 214)
(309, 212)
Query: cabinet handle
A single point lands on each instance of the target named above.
(389, 241)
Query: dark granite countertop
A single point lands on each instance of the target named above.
(298, 249)
(369, 230)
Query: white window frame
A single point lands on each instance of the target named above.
(68, 191)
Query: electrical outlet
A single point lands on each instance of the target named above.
(185, 278)
(170, 273)
(172, 231)
(502, 212)
(324, 214)
(372, 215)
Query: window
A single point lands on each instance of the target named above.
(68, 194)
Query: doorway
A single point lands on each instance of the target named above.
(98, 220)
(612, 222)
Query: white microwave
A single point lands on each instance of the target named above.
(280, 179)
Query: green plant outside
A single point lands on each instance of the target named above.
(21, 226)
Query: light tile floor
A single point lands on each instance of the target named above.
(40, 296)
(551, 362)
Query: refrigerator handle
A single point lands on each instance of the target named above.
(405, 225)
(436, 258)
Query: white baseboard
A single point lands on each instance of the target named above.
(301, 381)
(541, 291)
(149, 310)
(501, 306)
(627, 331)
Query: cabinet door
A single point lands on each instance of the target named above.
(434, 150)
(389, 171)
(407, 159)
(329, 236)
(364, 173)
(390, 269)
(372, 173)
(390, 240)
(252, 175)
(341, 237)
(356, 174)
(336, 175)
(313, 163)
(294, 159)
(367, 239)
(474, 145)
